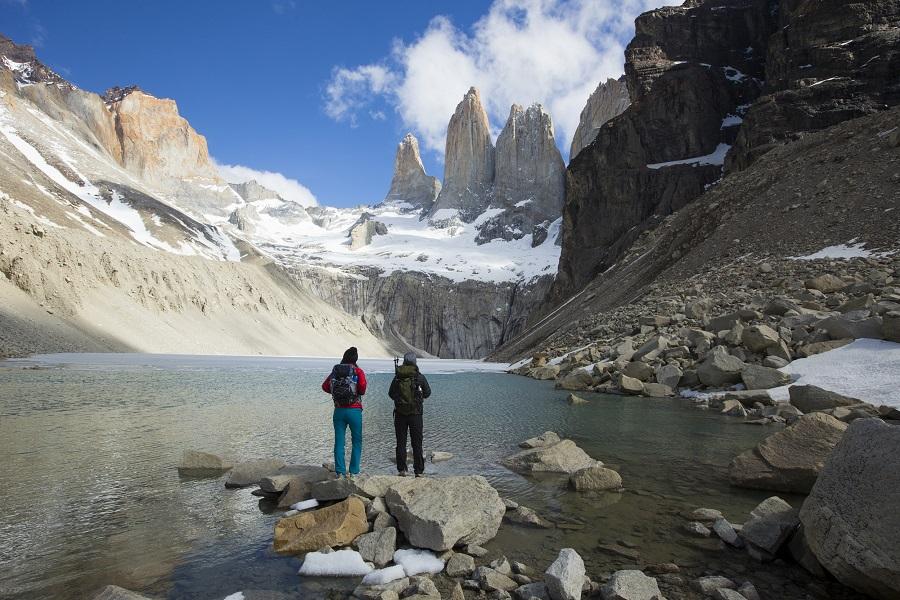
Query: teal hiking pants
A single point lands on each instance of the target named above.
(342, 419)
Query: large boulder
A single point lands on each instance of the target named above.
(759, 337)
(335, 525)
(279, 481)
(791, 459)
(826, 283)
(562, 457)
(194, 462)
(252, 472)
(544, 372)
(577, 380)
(440, 513)
(669, 375)
(631, 585)
(720, 368)
(367, 486)
(548, 438)
(850, 518)
(809, 398)
(378, 547)
(757, 377)
(565, 577)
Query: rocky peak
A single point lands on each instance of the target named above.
(410, 183)
(468, 160)
(252, 191)
(609, 100)
(117, 94)
(20, 60)
(530, 175)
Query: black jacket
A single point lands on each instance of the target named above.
(423, 390)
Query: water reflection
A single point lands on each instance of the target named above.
(90, 495)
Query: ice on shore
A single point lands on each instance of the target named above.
(342, 563)
(868, 370)
(235, 596)
(386, 575)
(416, 561)
(305, 504)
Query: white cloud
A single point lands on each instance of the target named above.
(287, 188)
(522, 51)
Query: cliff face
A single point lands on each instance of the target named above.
(827, 62)
(410, 183)
(431, 314)
(468, 161)
(689, 70)
(609, 100)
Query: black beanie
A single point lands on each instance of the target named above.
(351, 355)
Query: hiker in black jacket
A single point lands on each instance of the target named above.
(408, 389)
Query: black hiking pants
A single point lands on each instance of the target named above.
(413, 423)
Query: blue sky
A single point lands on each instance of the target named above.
(322, 92)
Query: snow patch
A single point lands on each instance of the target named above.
(865, 369)
(731, 120)
(342, 563)
(415, 561)
(842, 252)
(717, 157)
(382, 576)
(305, 504)
(235, 596)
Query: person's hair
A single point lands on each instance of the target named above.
(351, 355)
(409, 358)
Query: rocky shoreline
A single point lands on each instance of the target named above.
(425, 538)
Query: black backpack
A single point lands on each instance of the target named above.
(343, 385)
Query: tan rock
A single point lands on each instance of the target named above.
(608, 101)
(410, 183)
(335, 525)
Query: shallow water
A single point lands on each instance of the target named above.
(90, 493)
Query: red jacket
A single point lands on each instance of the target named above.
(360, 386)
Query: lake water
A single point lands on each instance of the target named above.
(90, 494)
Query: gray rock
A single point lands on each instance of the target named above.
(803, 555)
(114, 592)
(775, 362)
(501, 565)
(476, 550)
(251, 472)
(532, 590)
(544, 372)
(669, 375)
(562, 457)
(630, 385)
(639, 370)
(748, 591)
(362, 233)
(846, 518)
(194, 462)
(378, 547)
(697, 529)
(565, 577)
(523, 515)
(705, 515)
(457, 593)
(409, 182)
(572, 399)
(280, 480)
(720, 368)
(759, 337)
(460, 565)
(595, 477)
(440, 513)
(657, 390)
(548, 438)
(756, 377)
(651, 349)
(383, 521)
(771, 524)
(791, 459)
(734, 408)
(366, 486)
(726, 532)
(437, 457)
(826, 283)
(708, 585)
(727, 594)
(809, 398)
(842, 327)
(490, 580)
(890, 327)
(631, 585)
(577, 380)
(421, 587)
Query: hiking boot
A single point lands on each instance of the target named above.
(403, 474)
(420, 474)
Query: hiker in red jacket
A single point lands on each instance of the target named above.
(347, 384)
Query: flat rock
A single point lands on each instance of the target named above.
(572, 399)
(531, 590)
(757, 377)
(251, 472)
(791, 459)
(720, 368)
(565, 577)
(548, 438)
(335, 525)
(280, 480)
(562, 457)
(437, 457)
(809, 398)
(631, 585)
(460, 565)
(441, 513)
(522, 515)
(367, 486)
(709, 584)
(194, 462)
(490, 580)
(846, 519)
